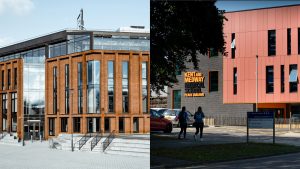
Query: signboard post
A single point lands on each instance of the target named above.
(261, 120)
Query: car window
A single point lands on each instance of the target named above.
(161, 111)
(153, 113)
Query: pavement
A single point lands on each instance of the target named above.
(218, 135)
(37, 155)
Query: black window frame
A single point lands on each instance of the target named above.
(282, 78)
(235, 80)
(289, 41)
(233, 49)
(271, 42)
(293, 86)
(64, 124)
(213, 81)
(270, 79)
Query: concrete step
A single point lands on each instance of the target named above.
(128, 153)
(133, 145)
(129, 149)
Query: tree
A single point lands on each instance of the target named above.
(179, 31)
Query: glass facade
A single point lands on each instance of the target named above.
(67, 91)
(78, 43)
(118, 43)
(93, 86)
(4, 111)
(125, 87)
(14, 110)
(34, 97)
(57, 49)
(79, 85)
(145, 86)
(110, 85)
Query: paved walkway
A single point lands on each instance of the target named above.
(38, 156)
(217, 135)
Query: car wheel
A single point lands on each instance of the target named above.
(168, 128)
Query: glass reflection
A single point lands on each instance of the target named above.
(121, 44)
(93, 91)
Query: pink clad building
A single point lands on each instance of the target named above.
(273, 35)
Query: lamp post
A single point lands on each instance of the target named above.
(71, 92)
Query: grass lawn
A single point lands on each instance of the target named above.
(223, 152)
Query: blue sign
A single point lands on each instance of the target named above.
(260, 120)
(260, 115)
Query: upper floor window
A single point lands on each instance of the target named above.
(234, 80)
(125, 86)
(233, 45)
(281, 78)
(271, 42)
(78, 43)
(269, 79)
(93, 87)
(289, 41)
(213, 81)
(15, 78)
(293, 79)
(145, 86)
(110, 85)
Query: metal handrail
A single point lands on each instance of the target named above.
(96, 140)
(108, 140)
(84, 139)
(3, 134)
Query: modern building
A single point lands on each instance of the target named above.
(76, 81)
(204, 87)
(273, 36)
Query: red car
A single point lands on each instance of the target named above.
(159, 123)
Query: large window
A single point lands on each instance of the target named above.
(289, 41)
(233, 45)
(79, 84)
(145, 86)
(51, 126)
(125, 86)
(110, 85)
(2, 80)
(213, 81)
(67, 91)
(8, 79)
(93, 86)
(269, 79)
(234, 80)
(64, 124)
(271, 42)
(93, 125)
(15, 78)
(54, 90)
(14, 109)
(4, 111)
(298, 40)
(293, 79)
(58, 49)
(282, 78)
(176, 99)
(76, 124)
(78, 43)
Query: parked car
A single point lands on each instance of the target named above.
(295, 118)
(172, 115)
(159, 123)
(160, 111)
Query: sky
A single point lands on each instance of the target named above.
(248, 4)
(25, 19)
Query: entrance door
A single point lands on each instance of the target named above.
(34, 130)
(93, 125)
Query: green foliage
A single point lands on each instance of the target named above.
(179, 31)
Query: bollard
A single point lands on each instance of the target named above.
(40, 137)
(31, 139)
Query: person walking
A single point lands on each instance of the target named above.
(182, 116)
(198, 116)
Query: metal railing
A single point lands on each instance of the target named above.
(84, 139)
(2, 135)
(108, 140)
(96, 140)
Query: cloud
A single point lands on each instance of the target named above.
(18, 7)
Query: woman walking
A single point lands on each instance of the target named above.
(198, 116)
(182, 116)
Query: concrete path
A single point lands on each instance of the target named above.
(38, 156)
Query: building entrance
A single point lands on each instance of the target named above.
(33, 129)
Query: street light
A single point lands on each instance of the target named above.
(71, 92)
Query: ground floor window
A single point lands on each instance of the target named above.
(176, 99)
(121, 125)
(64, 124)
(106, 125)
(135, 124)
(76, 124)
(93, 125)
(51, 126)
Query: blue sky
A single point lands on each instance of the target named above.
(248, 4)
(24, 19)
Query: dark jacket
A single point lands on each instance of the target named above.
(198, 116)
(183, 117)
